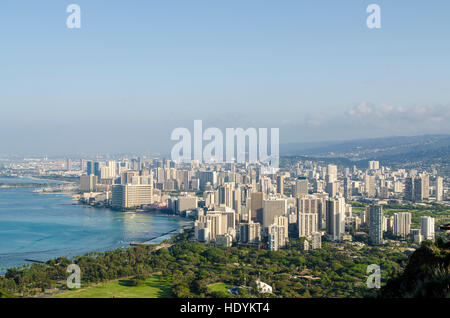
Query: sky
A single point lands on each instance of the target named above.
(136, 70)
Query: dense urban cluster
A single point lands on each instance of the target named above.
(239, 204)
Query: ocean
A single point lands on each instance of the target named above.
(43, 226)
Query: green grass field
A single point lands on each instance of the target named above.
(152, 287)
(219, 287)
(441, 217)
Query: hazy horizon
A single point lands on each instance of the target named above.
(136, 71)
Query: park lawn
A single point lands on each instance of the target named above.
(152, 287)
(440, 216)
(220, 287)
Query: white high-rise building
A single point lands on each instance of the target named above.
(108, 171)
(402, 224)
(307, 224)
(277, 237)
(427, 227)
(310, 204)
(370, 186)
(202, 229)
(130, 196)
(217, 224)
(332, 173)
(284, 222)
(335, 218)
(316, 240)
(439, 189)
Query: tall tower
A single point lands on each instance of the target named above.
(256, 202)
(409, 189)
(331, 173)
(439, 189)
(280, 184)
(335, 209)
(376, 224)
(421, 188)
(402, 224)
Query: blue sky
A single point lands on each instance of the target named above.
(138, 69)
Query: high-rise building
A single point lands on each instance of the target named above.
(226, 194)
(317, 186)
(108, 171)
(83, 166)
(347, 188)
(89, 167)
(201, 230)
(186, 203)
(127, 177)
(277, 237)
(307, 224)
(335, 211)
(131, 196)
(273, 208)
(421, 188)
(301, 187)
(250, 232)
(369, 186)
(280, 184)
(310, 204)
(97, 167)
(427, 227)
(331, 189)
(409, 189)
(309, 215)
(402, 224)
(284, 222)
(230, 218)
(69, 164)
(439, 189)
(88, 183)
(332, 173)
(216, 225)
(207, 177)
(236, 199)
(257, 206)
(316, 240)
(376, 224)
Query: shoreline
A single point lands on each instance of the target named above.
(131, 244)
(185, 224)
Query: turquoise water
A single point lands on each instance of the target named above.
(42, 226)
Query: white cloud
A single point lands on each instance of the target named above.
(401, 114)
